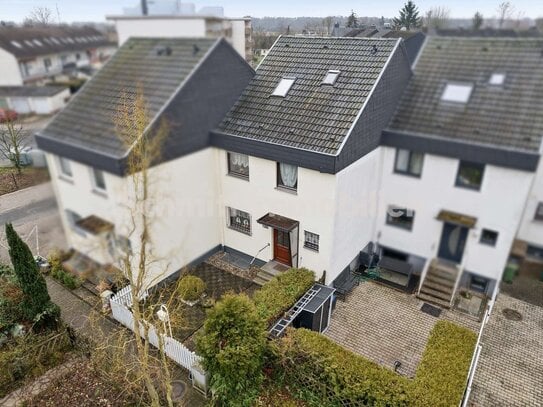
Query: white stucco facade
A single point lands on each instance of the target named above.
(531, 229)
(38, 104)
(10, 75)
(498, 206)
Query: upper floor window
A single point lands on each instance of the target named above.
(47, 63)
(408, 162)
(400, 217)
(489, 237)
(287, 176)
(98, 180)
(65, 167)
(284, 86)
(239, 220)
(238, 164)
(470, 175)
(539, 211)
(457, 92)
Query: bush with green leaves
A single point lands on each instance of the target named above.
(281, 292)
(442, 372)
(322, 372)
(66, 278)
(191, 288)
(232, 346)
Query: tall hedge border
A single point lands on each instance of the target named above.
(281, 292)
(441, 375)
(322, 372)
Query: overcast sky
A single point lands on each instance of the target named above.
(95, 10)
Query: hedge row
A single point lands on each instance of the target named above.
(282, 292)
(322, 372)
(441, 376)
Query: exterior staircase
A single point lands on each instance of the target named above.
(438, 285)
(269, 271)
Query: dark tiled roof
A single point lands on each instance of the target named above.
(312, 116)
(488, 32)
(87, 121)
(505, 116)
(30, 91)
(30, 42)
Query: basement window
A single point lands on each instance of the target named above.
(496, 79)
(457, 92)
(331, 77)
(283, 87)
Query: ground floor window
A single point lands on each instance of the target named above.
(73, 218)
(400, 217)
(489, 237)
(478, 284)
(311, 241)
(239, 220)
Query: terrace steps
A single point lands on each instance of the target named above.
(438, 285)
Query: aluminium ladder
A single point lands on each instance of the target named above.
(279, 328)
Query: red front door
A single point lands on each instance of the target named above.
(281, 247)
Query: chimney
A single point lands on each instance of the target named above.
(144, 9)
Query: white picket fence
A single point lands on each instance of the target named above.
(174, 349)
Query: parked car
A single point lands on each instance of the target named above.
(7, 115)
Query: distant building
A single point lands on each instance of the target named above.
(36, 55)
(174, 22)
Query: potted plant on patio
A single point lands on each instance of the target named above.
(191, 289)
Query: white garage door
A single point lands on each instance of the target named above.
(20, 105)
(41, 106)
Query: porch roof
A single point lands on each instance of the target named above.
(457, 218)
(94, 224)
(278, 222)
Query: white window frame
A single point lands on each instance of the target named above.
(284, 85)
(309, 244)
(457, 92)
(62, 162)
(331, 77)
(244, 230)
(95, 185)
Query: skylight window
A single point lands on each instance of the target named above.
(283, 87)
(497, 79)
(16, 44)
(457, 92)
(55, 40)
(29, 43)
(330, 77)
(38, 43)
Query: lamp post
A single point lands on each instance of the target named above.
(164, 315)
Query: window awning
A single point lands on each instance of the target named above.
(278, 222)
(94, 225)
(457, 218)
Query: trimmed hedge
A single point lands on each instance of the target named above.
(442, 373)
(281, 292)
(324, 373)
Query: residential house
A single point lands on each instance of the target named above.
(36, 55)
(237, 31)
(188, 83)
(336, 152)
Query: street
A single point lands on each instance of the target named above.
(30, 208)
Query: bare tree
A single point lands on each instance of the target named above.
(505, 11)
(437, 17)
(13, 139)
(327, 23)
(40, 16)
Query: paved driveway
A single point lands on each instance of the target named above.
(510, 369)
(386, 325)
(28, 208)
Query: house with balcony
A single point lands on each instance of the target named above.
(37, 55)
(337, 154)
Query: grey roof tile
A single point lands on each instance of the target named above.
(506, 116)
(320, 116)
(87, 121)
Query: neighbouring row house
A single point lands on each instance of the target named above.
(333, 153)
(36, 55)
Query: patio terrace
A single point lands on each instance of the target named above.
(385, 325)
